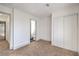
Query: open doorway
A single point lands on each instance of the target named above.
(4, 31)
(32, 30)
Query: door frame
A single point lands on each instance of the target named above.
(4, 22)
(11, 41)
(35, 29)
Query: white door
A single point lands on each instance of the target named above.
(65, 32)
(75, 33)
(70, 32)
(58, 32)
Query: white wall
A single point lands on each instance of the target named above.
(44, 29)
(5, 9)
(21, 28)
(14, 25)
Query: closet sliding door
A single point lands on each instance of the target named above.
(70, 32)
(58, 32)
(65, 32)
(75, 33)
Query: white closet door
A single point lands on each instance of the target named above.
(75, 33)
(70, 32)
(65, 32)
(58, 32)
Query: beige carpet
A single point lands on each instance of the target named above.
(36, 48)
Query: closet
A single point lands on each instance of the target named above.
(65, 31)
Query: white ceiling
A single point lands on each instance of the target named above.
(38, 9)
